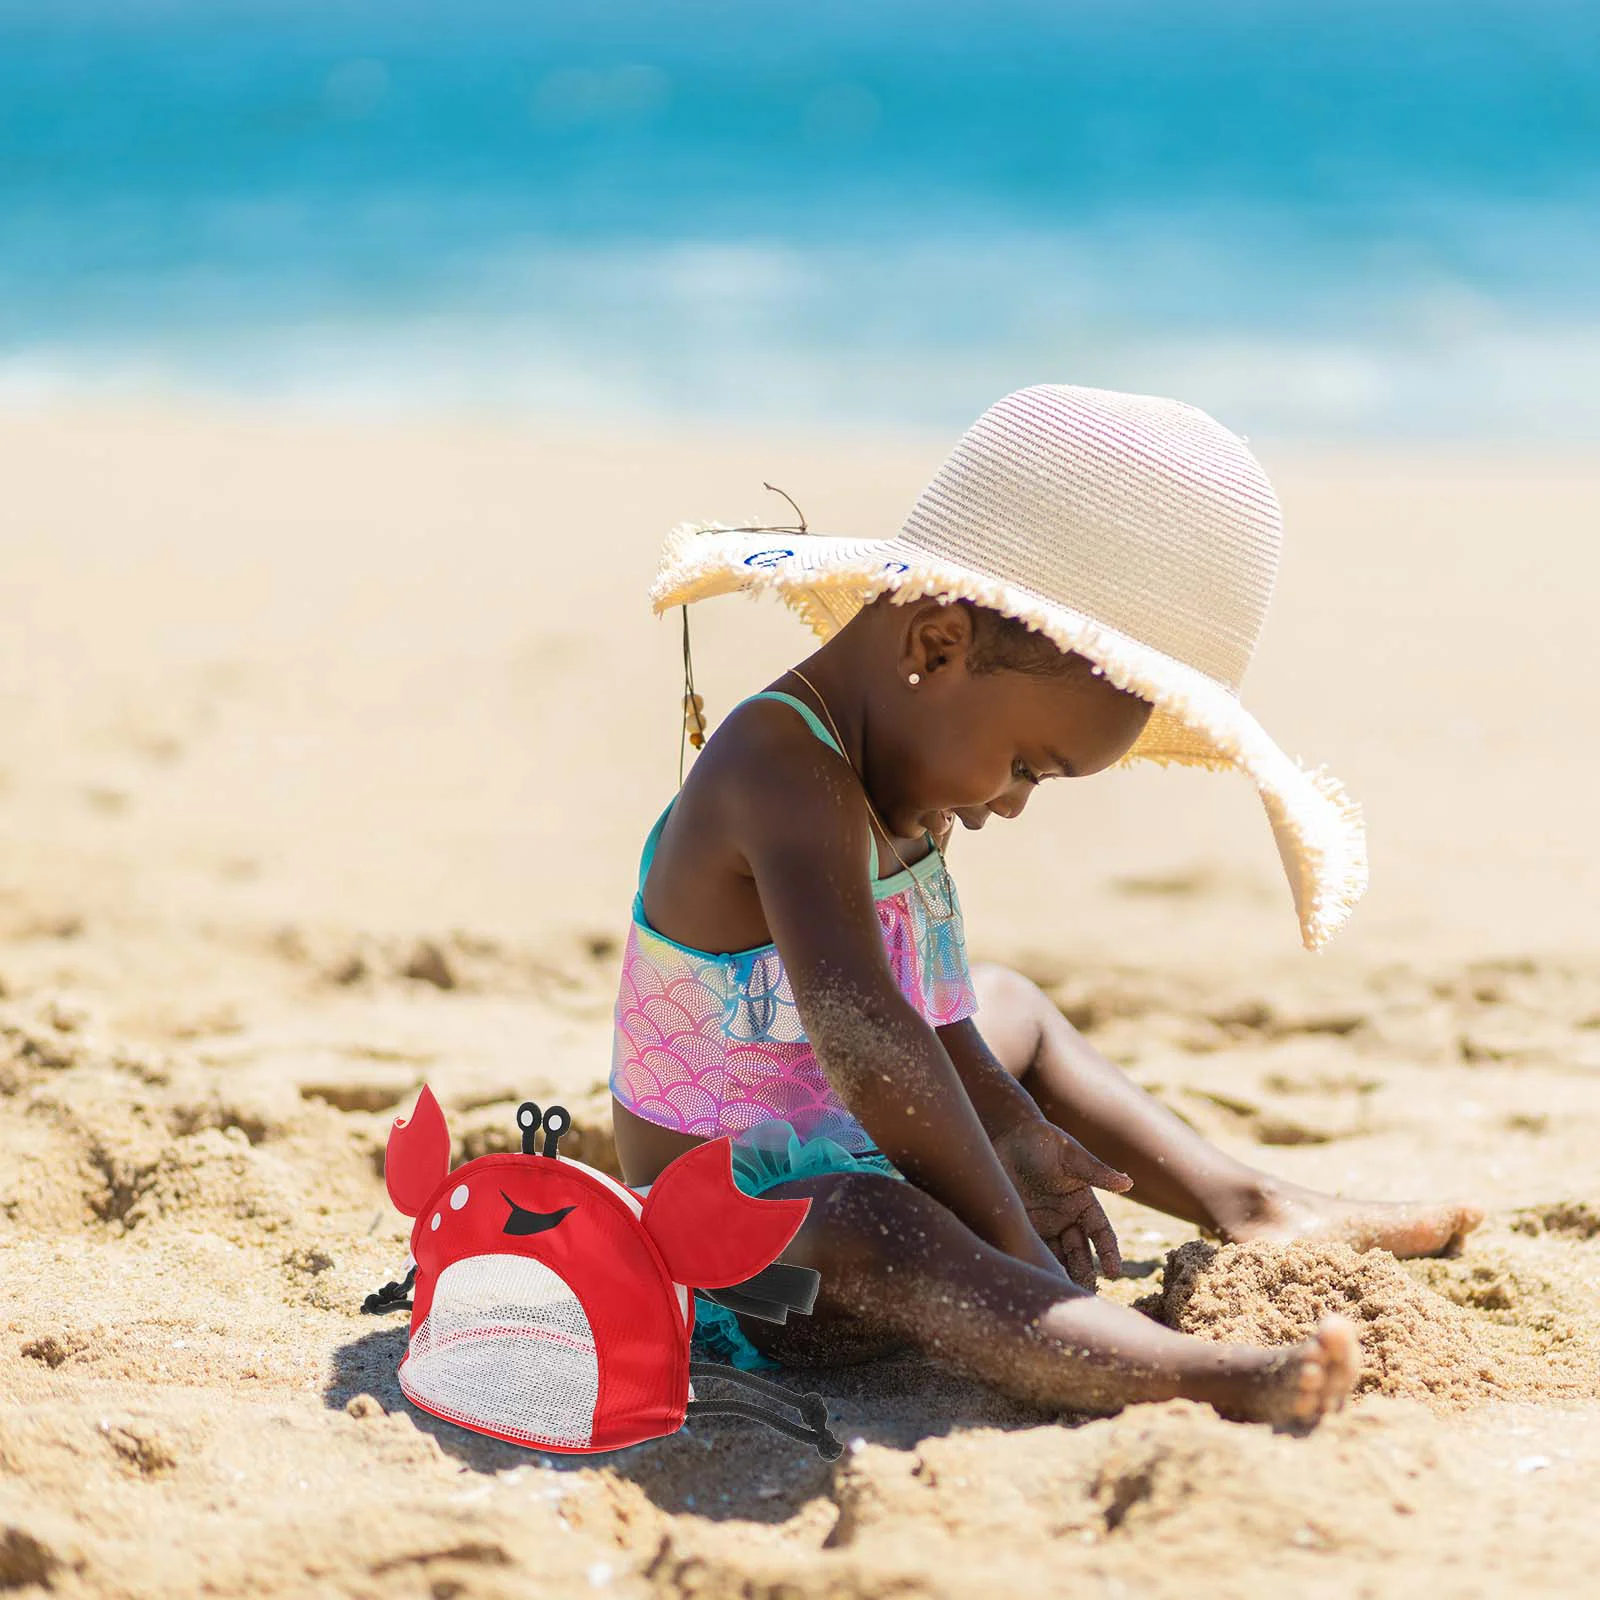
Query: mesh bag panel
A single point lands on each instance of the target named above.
(506, 1346)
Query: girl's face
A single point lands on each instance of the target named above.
(975, 745)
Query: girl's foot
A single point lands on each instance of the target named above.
(1281, 1212)
(1299, 1386)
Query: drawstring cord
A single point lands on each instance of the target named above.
(813, 1408)
(694, 707)
(392, 1296)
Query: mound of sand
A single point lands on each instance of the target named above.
(1415, 1342)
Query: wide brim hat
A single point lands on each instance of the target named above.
(1137, 532)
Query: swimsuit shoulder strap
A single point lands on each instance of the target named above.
(813, 721)
(650, 844)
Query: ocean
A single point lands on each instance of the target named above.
(1342, 221)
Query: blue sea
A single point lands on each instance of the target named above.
(1327, 220)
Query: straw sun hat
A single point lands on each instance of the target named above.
(1133, 530)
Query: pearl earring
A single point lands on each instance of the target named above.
(914, 679)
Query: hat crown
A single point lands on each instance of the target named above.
(1142, 514)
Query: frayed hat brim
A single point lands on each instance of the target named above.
(1197, 721)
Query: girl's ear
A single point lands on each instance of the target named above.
(939, 635)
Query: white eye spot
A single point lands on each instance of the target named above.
(458, 1197)
(435, 1223)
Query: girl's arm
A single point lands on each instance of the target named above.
(1000, 1101)
(1054, 1174)
(798, 817)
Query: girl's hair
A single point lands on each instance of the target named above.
(1003, 644)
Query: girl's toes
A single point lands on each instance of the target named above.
(1304, 1382)
(1334, 1356)
(1321, 1374)
(1454, 1224)
(1468, 1217)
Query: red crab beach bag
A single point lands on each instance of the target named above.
(552, 1307)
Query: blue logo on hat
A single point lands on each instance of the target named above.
(767, 558)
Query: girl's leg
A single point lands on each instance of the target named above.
(899, 1269)
(1172, 1167)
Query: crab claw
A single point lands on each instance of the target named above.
(418, 1155)
(710, 1233)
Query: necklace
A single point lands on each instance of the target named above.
(872, 810)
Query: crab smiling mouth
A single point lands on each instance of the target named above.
(506, 1347)
(524, 1221)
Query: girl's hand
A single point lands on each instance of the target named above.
(1056, 1178)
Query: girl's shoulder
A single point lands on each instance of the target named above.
(765, 789)
(771, 766)
(768, 736)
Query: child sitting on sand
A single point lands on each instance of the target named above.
(1082, 583)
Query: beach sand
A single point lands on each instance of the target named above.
(326, 751)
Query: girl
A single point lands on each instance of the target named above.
(1082, 583)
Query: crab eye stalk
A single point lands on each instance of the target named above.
(523, 1221)
(556, 1122)
(528, 1115)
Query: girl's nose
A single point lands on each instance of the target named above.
(1011, 804)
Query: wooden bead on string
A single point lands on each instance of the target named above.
(694, 719)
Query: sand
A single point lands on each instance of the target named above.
(326, 750)
(1417, 1342)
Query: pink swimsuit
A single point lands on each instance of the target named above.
(712, 1044)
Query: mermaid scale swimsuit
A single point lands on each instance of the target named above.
(712, 1044)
